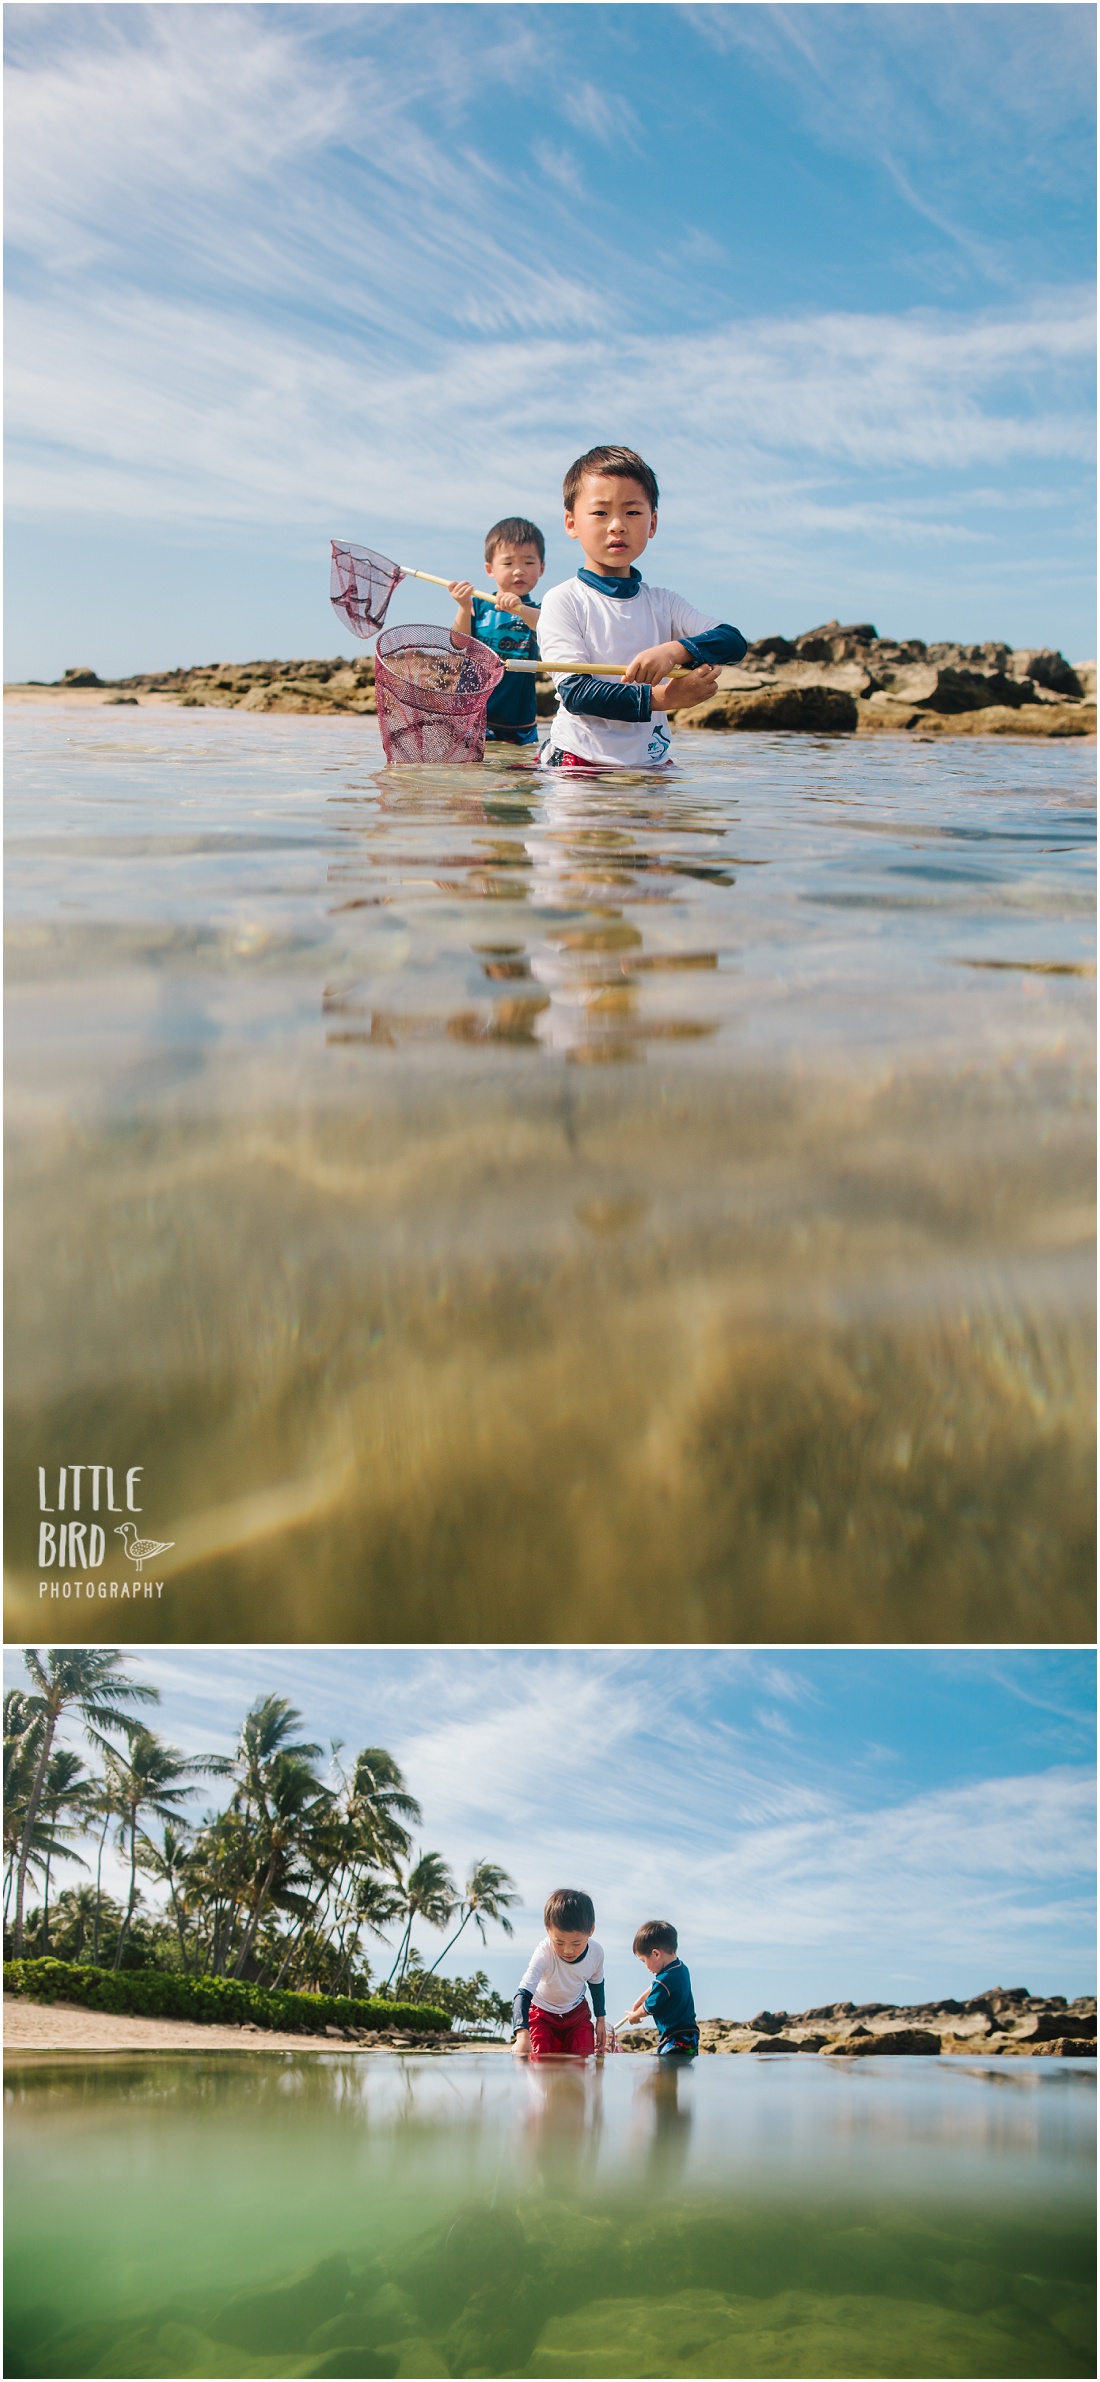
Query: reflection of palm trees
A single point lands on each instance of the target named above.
(489, 1894)
(427, 1892)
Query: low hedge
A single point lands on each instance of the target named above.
(159, 1993)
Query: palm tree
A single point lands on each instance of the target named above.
(155, 1778)
(490, 1892)
(292, 1799)
(171, 1863)
(361, 1834)
(428, 1892)
(104, 1804)
(22, 1746)
(267, 1729)
(84, 1679)
(76, 1913)
(65, 1790)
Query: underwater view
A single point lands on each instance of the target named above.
(483, 1208)
(315, 2213)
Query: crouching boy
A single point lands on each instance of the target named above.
(550, 2013)
(669, 2004)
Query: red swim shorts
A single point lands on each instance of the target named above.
(552, 2035)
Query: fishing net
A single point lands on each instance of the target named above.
(360, 586)
(432, 686)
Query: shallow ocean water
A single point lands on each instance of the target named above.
(487, 1209)
(324, 2213)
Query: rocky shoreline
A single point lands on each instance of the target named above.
(1006, 2021)
(832, 680)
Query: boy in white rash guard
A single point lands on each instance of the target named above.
(609, 614)
(549, 2013)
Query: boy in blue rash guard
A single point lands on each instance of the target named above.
(609, 614)
(669, 2003)
(515, 557)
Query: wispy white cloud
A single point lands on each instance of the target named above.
(609, 119)
(939, 96)
(275, 270)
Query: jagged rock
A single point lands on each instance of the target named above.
(834, 643)
(769, 2022)
(814, 710)
(283, 2318)
(82, 677)
(991, 656)
(1046, 668)
(790, 2334)
(913, 2042)
(1034, 719)
(1047, 2026)
(942, 686)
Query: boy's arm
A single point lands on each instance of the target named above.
(709, 646)
(463, 594)
(561, 639)
(526, 612)
(521, 2032)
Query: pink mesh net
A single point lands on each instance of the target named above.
(432, 686)
(360, 586)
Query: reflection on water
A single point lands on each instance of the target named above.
(488, 1209)
(322, 2214)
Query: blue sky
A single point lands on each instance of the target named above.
(832, 1824)
(278, 273)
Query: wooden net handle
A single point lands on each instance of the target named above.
(588, 669)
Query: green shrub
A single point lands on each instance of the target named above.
(159, 1993)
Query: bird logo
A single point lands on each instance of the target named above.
(140, 1549)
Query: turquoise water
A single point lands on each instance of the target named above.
(493, 1210)
(322, 2213)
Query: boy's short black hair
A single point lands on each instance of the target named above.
(614, 463)
(574, 1913)
(514, 532)
(657, 1935)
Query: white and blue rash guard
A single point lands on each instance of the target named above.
(590, 618)
(559, 1985)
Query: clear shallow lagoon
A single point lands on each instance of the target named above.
(493, 1210)
(321, 2213)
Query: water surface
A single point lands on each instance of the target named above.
(318, 2213)
(493, 1210)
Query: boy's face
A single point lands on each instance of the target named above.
(514, 569)
(613, 521)
(656, 1960)
(569, 1942)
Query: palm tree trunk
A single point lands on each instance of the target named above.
(125, 1927)
(257, 1913)
(98, 1890)
(403, 1950)
(430, 1972)
(28, 1833)
(179, 1930)
(46, 1912)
